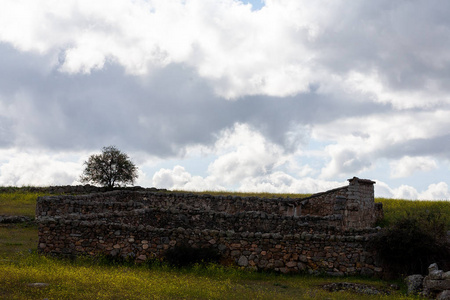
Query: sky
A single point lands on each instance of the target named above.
(284, 96)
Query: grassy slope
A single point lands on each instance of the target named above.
(395, 209)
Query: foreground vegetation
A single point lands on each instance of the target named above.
(94, 279)
(101, 279)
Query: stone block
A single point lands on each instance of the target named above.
(243, 261)
(445, 295)
(435, 286)
(414, 284)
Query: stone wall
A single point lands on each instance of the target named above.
(355, 203)
(326, 232)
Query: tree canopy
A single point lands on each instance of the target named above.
(111, 167)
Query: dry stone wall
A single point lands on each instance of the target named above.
(326, 232)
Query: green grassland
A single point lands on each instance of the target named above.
(85, 278)
(18, 202)
(394, 209)
(17, 238)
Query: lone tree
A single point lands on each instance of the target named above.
(109, 168)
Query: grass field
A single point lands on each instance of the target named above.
(17, 238)
(88, 279)
(18, 202)
(395, 209)
(91, 279)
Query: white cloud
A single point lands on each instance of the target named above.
(280, 182)
(245, 153)
(345, 160)
(278, 50)
(405, 192)
(436, 191)
(179, 179)
(407, 165)
(246, 161)
(367, 81)
(357, 143)
(36, 169)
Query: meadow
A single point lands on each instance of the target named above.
(87, 278)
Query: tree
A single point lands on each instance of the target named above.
(109, 168)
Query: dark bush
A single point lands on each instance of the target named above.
(185, 255)
(411, 244)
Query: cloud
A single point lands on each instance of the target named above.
(357, 143)
(278, 182)
(245, 153)
(344, 161)
(37, 169)
(321, 90)
(407, 165)
(387, 52)
(434, 191)
(179, 179)
(246, 161)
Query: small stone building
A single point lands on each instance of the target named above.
(326, 232)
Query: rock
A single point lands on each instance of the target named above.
(446, 275)
(354, 287)
(445, 295)
(414, 284)
(433, 267)
(291, 264)
(436, 275)
(243, 261)
(366, 272)
(38, 284)
(436, 285)
(14, 219)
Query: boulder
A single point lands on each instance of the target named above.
(437, 283)
(414, 284)
(445, 295)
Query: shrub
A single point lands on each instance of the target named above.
(185, 255)
(411, 244)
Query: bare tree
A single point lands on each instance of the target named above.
(109, 168)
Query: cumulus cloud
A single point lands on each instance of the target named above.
(407, 165)
(246, 161)
(238, 50)
(179, 179)
(412, 140)
(38, 169)
(278, 182)
(319, 89)
(434, 191)
(245, 153)
(344, 161)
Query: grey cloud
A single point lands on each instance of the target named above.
(438, 146)
(160, 114)
(405, 42)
